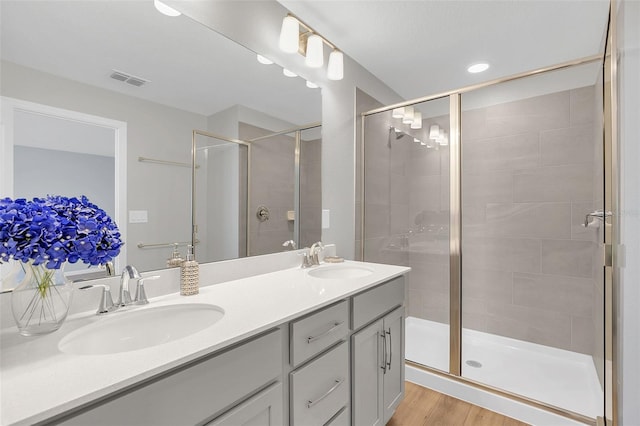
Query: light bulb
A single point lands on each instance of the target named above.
(408, 115)
(263, 60)
(289, 35)
(164, 9)
(315, 53)
(335, 69)
(417, 120)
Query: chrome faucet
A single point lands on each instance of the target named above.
(124, 295)
(313, 252)
(291, 244)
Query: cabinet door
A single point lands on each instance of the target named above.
(393, 377)
(264, 409)
(366, 368)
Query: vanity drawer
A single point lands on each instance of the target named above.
(340, 419)
(196, 393)
(375, 302)
(321, 388)
(320, 330)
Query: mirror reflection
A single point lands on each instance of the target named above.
(151, 79)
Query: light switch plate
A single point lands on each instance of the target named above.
(325, 218)
(138, 216)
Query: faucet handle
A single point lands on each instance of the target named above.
(306, 260)
(141, 296)
(106, 302)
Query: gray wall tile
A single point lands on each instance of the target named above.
(566, 257)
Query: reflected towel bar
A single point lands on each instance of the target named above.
(158, 245)
(165, 162)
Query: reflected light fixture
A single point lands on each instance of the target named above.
(434, 131)
(291, 38)
(397, 113)
(335, 70)
(164, 9)
(289, 35)
(311, 85)
(408, 115)
(263, 60)
(479, 67)
(315, 52)
(289, 73)
(417, 120)
(416, 140)
(442, 138)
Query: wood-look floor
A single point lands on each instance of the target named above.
(423, 406)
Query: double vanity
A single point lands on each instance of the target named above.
(317, 346)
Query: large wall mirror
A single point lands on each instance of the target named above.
(156, 79)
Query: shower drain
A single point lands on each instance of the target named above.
(474, 364)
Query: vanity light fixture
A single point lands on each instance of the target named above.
(164, 9)
(417, 120)
(479, 67)
(311, 85)
(289, 35)
(296, 36)
(263, 60)
(315, 52)
(289, 73)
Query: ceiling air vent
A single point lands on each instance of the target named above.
(128, 78)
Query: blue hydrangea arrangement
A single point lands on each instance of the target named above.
(56, 229)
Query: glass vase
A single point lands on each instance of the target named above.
(41, 301)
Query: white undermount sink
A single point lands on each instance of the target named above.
(336, 272)
(139, 329)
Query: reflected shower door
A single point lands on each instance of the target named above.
(406, 217)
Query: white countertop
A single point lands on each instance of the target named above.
(38, 381)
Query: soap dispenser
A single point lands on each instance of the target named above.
(175, 260)
(189, 275)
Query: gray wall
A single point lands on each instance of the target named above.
(39, 172)
(153, 130)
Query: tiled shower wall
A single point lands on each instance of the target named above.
(272, 185)
(528, 182)
(529, 179)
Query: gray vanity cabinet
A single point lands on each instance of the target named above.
(345, 365)
(377, 354)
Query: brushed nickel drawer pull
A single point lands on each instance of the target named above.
(326, 394)
(335, 326)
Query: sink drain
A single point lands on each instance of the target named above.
(474, 364)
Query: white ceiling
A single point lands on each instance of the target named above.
(420, 48)
(416, 47)
(190, 66)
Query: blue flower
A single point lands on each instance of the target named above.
(57, 229)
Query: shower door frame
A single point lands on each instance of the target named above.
(455, 232)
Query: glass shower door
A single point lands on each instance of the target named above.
(406, 217)
(532, 281)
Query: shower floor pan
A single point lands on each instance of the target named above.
(561, 378)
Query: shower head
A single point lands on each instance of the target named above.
(397, 132)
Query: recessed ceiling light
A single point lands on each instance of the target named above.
(289, 73)
(264, 60)
(479, 67)
(164, 9)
